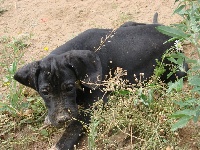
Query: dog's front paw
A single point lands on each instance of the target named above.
(47, 121)
(54, 148)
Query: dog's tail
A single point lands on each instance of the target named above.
(155, 18)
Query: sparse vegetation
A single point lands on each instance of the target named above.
(135, 118)
(188, 30)
(19, 108)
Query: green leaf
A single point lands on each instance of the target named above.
(44, 132)
(177, 55)
(170, 74)
(194, 80)
(179, 10)
(190, 102)
(196, 89)
(185, 112)
(177, 86)
(172, 32)
(177, 115)
(181, 123)
(124, 92)
(172, 60)
(195, 68)
(196, 118)
(193, 61)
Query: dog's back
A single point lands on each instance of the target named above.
(134, 48)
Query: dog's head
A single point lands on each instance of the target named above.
(55, 77)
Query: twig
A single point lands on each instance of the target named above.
(104, 41)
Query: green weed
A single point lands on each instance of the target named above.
(15, 95)
(19, 107)
(139, 116)
(188, 30)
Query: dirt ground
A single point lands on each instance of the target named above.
(53, 22)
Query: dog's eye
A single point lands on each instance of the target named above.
(45, 92)
(67, 87)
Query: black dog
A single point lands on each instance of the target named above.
(87, 59)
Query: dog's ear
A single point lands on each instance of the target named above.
(28, 75)
(87, 66)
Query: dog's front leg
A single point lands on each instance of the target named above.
(70, 136)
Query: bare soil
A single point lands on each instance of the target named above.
(53, 22)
